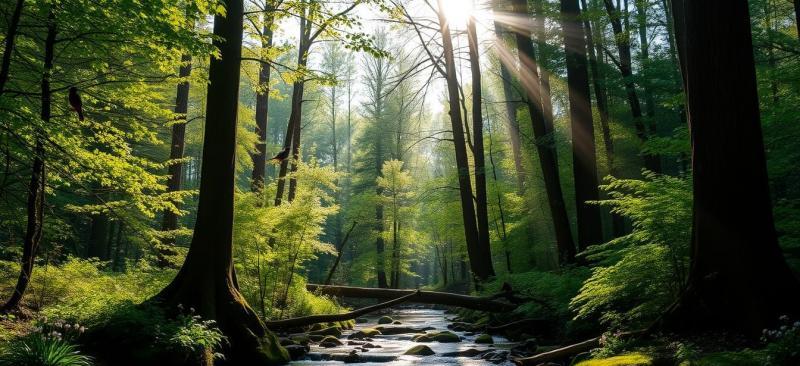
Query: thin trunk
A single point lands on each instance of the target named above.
(622, 40)
(262, 106)
(98, 232)
(584, 154)
(738, 279)
(481, 195)
(481, 265)
(206, 281)
(170, 220)
(540, 33)
(546, 150)
(595, 48)
(503, 233)
(340, 252)
(797, 16)
(118, 259)
(36, 185)
(8, 50)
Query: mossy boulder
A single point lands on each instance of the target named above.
(315, 337)
(364, 333)
(420, 350)
(402, 330)
(330, 331)
(422, 338)
(446, 337)
(385, 320)
(317, 326)
(330, 342)
(633, 359)
(301, 339)
(484, 339)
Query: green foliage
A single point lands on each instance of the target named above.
(783, 343)
(638, 275)
(196, 335)
(40, 349)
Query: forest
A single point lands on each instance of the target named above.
(400, 182)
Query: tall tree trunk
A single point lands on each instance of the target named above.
(297, 97)
(8, 50)
(644, 59)
(622, 40)
(511, 103)
(36, 185)
(481, 265)
(207, 281)
(797, 16)
(97, 243)
(584, 154)
(262, 106)
(739, 279)
(481, 196)
(170, 220)
(548, 159)
(595, 48)
(380, 245)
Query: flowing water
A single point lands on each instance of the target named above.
(393, 346)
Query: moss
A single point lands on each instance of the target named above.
(331, 339)
(420, 350)
(330, 331)
(633, 359)
(364, 333)
(385, 320)
(741, 358)
(422, 338)
(485, 339)
(446, 337)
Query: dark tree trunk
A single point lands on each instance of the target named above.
(481, 265)
(529, 76)
(36, 185)
(622, 40)
(262, 110)
(797, 16)
(297, 96)
(380, 245)
(739, 279)
(97, 244)
(481, 196)
(170, 220)
(340, 252)
(595, 48)
(207, 281)
(11, 36)
(584, 155)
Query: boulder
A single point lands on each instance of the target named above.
(446, 337)
(330, 342)
(385, 320)
(420, 350)
(296, 351)
(422, 338)
(364, 333)
(330, 331)
(484, 339)
(402, 330)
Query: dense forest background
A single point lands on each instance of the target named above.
(442, 145)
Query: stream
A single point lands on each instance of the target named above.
(392, 347)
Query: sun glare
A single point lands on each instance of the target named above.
(457, 11)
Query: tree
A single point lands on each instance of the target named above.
(738, 277)
(512, 104)
(529, 78)
(11, 36)
(262, 97)
(207, 280)
(481, 200)
(481, 265)
(35, 200)
(584, 155)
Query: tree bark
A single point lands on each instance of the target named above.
(481, 266)
(423, 297)
(170, 220)
(529, 76)
(481, 195)
(512, 124)
(340, 252)
(36, 185)
(595, 48)
(8, 50)
(622, 40)
(797, 16)
(262, 107)
(584, 154)
(738, 279)
(207, 280)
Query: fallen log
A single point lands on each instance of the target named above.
(325, 318)
(425, 297)
(524, 323)
(570, 350)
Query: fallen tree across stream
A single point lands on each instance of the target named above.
(488, 304)
(325, 318)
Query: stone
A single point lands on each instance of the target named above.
(296, 351)
(484, 339)
(446, 337)
(364, 333)
(420, 350)
(330, 331)
(385, 320)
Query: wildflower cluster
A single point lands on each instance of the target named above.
(783, 343)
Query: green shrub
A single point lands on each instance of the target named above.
(40, 349)
(783, 343)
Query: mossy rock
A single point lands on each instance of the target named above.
(330, 341)
(315, 337)
(420, 350)
(385, 320)
(301, 339)
(484, 339)
(633, 359)
(446, 337)
(364, 333)
(330, 331)
(397, 322)
(402, 330)
(318, 326)
(422, 338)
